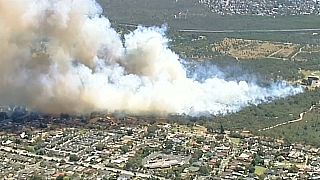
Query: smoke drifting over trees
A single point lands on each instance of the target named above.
(64, 56)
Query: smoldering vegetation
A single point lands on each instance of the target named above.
(64, 57)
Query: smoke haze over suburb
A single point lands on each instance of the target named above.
(64, 56)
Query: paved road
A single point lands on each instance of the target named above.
(233, 31)
(249, 30)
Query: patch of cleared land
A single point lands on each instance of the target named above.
(256, 49)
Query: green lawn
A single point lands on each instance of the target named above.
(259, 170)
(235, 140)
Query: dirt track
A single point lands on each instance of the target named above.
(289, 122)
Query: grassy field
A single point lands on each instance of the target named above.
(235, 141)
(259, 170)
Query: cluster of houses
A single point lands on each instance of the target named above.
(152, 151)
(263, 7)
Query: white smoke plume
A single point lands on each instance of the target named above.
(63, 56)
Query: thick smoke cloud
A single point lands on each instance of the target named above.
(63, 56)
